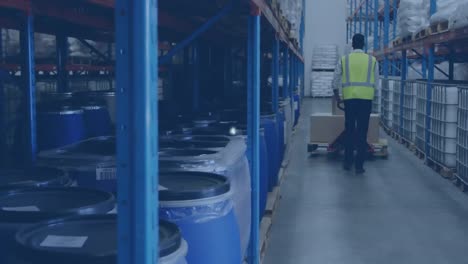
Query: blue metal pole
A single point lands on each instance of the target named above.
(28, 69)
(275, 74)
(196, 77)
(254, 131)
(360, 19)
(430, 80)
(386, 35)
(404, 73)
(137, 130)
(424, 67)
(285, 71)
(395, 15)
(367, 26)
(354, 16)
(62, 54)
(376, 25)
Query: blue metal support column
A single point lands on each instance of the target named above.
(275, 74)
(451, 63)
(376, 25)
(137, 130)
(253, 120)
(430, 80)
(386, 35)
(404, 74)
(28, 75)
(360, 19)
(285, 71)
(195, 77)
(424, 67)
(354, 16)
(62, 58)
(367, 26)
(347, 33)
(395, 18)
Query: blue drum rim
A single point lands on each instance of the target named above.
(105, 204)
(221, 185)
(59, 177)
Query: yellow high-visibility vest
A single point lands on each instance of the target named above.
(358, 76)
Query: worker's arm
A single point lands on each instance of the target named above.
(337, 81)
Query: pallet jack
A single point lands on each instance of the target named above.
(337, 146)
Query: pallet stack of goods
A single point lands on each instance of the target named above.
(395, 83)
(290, 14)
(421, 112)
(324, 62)
(462, 149)
(409, 111)
(387, 103)
(443, 125)
(413, 16)
(451, 14)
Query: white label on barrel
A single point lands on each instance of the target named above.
(285, 132)
(31, 208)
(105, 174)
(296, 106)
(64, 241)
(162, 188)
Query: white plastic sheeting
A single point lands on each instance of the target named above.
(453, 11)
(413, 16)
(292, 10)
(325, 57)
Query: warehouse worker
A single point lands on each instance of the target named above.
(357, 74)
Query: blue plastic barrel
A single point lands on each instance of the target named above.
(91, 163)
(271, 137)
(281, 136)
(59, 128)
(97, 121)
(23, 207)
(32, 178)
(90, 240)
(200, 204)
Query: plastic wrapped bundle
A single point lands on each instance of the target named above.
(453, 11)
(412, 17)
(230, 162)
(325, 57)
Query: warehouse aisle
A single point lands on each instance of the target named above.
(400, 211)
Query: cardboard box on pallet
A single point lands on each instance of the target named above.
(326, 127)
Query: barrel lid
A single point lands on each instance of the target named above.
(38, 204)
(185, 152)
(186, 185)
(36, 177)
(86, 238)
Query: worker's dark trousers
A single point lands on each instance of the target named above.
(357, 115)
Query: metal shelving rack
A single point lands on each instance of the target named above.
(134, 26)
(447, 45)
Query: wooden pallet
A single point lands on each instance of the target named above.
(445, 172)
(422, 34)
(419, 153)
(461, 183)
(386, 129)
(439, 27)
(397, 42)
(407, 143)
(395, 135)
(407, 39)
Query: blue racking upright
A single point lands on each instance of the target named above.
(135, 27)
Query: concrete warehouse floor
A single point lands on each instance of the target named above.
(400, 211)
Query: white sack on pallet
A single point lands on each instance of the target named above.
(453, 11)
(322, 83)
(413, 16)
(460, 71)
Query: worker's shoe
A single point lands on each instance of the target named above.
(360, 170)
(347, 167)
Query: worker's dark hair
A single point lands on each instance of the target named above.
(358, 41)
